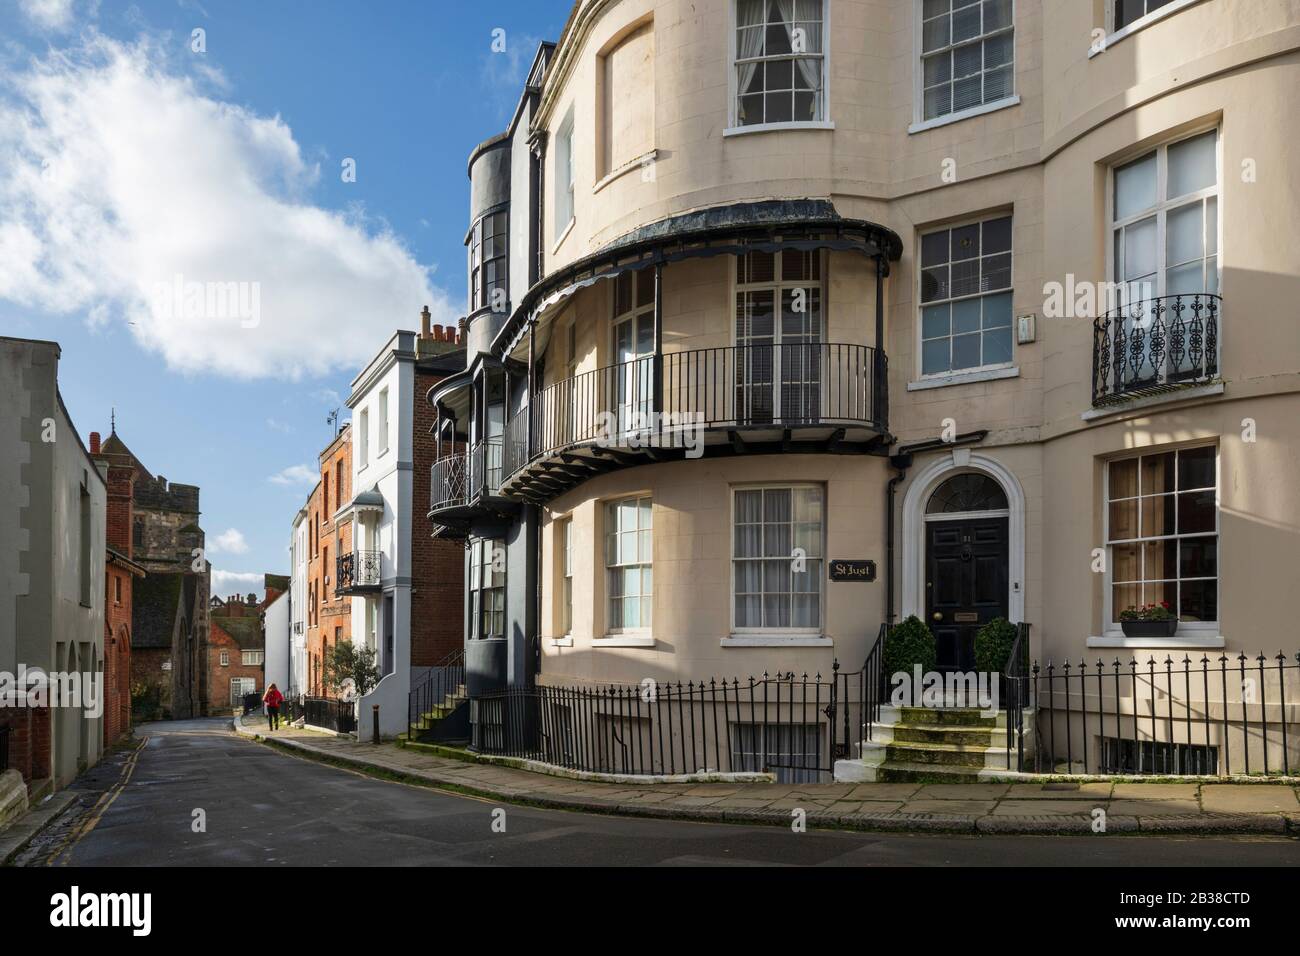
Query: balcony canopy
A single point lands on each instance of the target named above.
(770, 225)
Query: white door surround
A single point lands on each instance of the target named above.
(919, 489)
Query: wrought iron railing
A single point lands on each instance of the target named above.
(359, 569)
(1152, 345)
(659, 400)
(437, 694)
(1225, 715)
(1015, 695)
(459, 478)
(448, 485)
(330, 713)
(792, 726)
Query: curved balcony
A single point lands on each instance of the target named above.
(462, 485)
(359, 572)
(740, 399)
(1155, 345)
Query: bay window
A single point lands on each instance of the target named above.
(487, 588)
(779, 62)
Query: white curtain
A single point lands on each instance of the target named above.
(808, 67)
(749, 43)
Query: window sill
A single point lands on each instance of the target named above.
(963, 378)
(1206, 640)
(776, 640)
(1140, 23)
(559, 241)
(642, 160)
(566, 641)
(922, 125)
(1147, 401)
(777, 127)
(382, 452)
(624, 640)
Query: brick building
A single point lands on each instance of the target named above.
(330, 536)
(120, 575)
(170, 605)
(236, 646)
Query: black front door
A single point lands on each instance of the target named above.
(965, 584)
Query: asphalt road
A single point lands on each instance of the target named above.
(260, 807)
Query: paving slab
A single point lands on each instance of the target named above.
(1157, 791)
(964, 807)
(1248, 798)
(883, 791)
(1214, 823)
(963, 791)
(1050, 808)
(1038, 791)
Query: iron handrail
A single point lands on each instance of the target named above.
(1155, 344)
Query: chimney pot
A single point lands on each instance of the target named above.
(94, 443)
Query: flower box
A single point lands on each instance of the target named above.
(1150, 628)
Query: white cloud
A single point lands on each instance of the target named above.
(231, 540)
(122, 178)
(47, 14)
(296, 475)
(276, 425)
(225, 583)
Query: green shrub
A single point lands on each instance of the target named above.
(909, 643)
(993, 646)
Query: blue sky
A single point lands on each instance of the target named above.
(142, 159)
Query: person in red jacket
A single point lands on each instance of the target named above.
(272, 699)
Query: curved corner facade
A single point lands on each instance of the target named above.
(790, 319)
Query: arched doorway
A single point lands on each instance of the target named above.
(963, 544)
(966, 564)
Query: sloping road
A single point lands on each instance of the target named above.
(143, 806)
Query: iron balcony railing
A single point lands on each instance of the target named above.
(359, 569)
(1153, 345)
(458, 479)
(658, 399)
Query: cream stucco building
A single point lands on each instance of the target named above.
(998, 296)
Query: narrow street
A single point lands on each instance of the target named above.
(260, 807)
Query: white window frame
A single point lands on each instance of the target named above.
(919, 122)
(1163, 206)
(564, 571)
(225, 658)
(252, 658)
(976, 373)
(363, 433)
(1114, 35)
(478, 588)
(564, 165)
(733, 92)
(778, 285)
(609, 506)
(1193, 633)
(383, 421)
(758, 636)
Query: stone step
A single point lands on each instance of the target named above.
(951, 734)
(900, 772)
(953, 755)
(946, 717)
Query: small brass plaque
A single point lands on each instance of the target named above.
(966, 617)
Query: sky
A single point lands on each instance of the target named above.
(302, 162)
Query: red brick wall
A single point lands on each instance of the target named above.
(437, 565)
(117, 654)
(333, 620)
(29, 741)
(219, 677)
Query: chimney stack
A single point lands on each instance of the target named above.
(424, 323)
(94, 443)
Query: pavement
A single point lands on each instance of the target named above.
(980, 808)
(193, 793)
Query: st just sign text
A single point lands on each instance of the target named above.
(843, 569)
